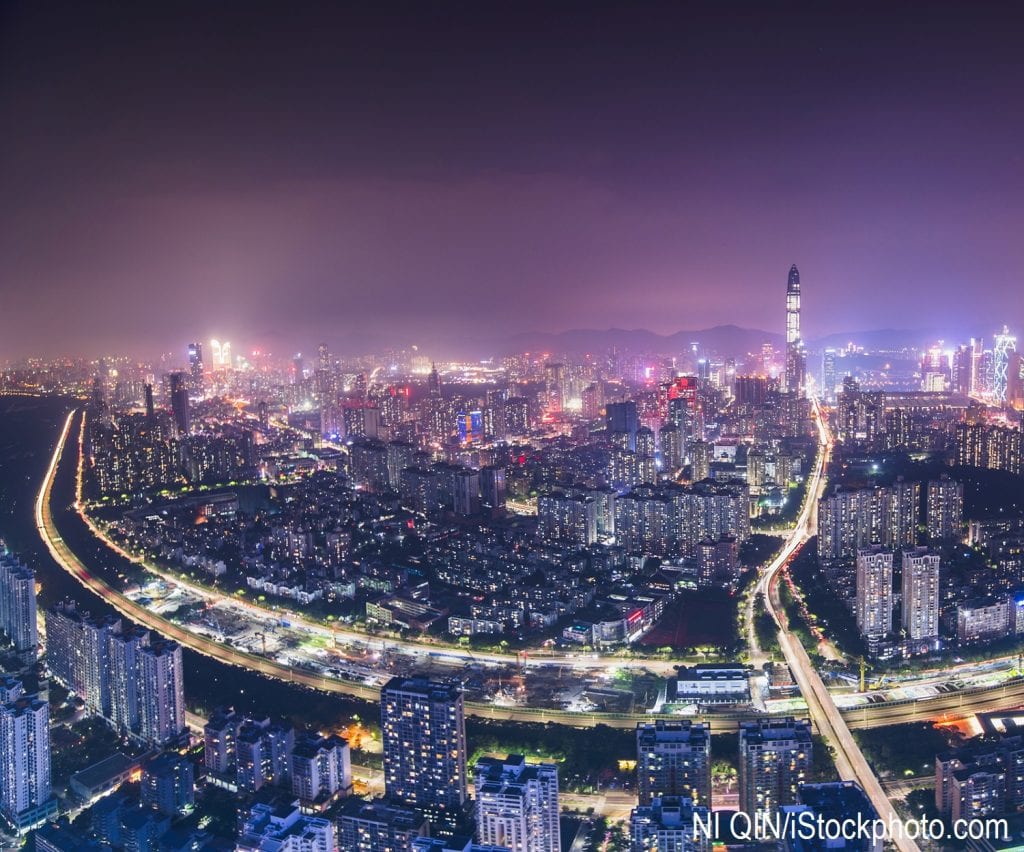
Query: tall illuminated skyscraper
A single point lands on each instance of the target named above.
(1005, 346)
(195, 365)
(795, 364)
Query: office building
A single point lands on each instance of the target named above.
(795, 360)
(829, 376)
(517, 804)
(775, 757)
(874, 593)
(673, 759)
(18, 607)
(466, 496)
(195, 366)
(621, 418)
(424, 737)
(920, 586)
(181, 411)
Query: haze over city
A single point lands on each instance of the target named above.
(396, 173)
(478, 427)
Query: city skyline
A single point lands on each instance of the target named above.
(378, 177)
(460, 427)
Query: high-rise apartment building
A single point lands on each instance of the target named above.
(262, 753)
(668, 823)
(775, 757)
(26, 798)
(282, 827)
(320, 769)
(517, 804)
(673, 759)
(124, 647)
(220, 741)
(423, 730)
(18, 606)
(168, 784)
(945, 508)
(378, 826)
(78, 653)
(850, 520)
(920, 586)
(161, 692)
(874, 593)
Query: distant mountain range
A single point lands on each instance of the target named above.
(722, 340)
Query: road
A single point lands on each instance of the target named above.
(850, 762)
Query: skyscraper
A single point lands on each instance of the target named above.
(828, 375)
(673, 759)
(1004, 347)
(180, 404)
(920, 584)
(195, 365)
(622, 418)
(517, 804)
(424, 736)
(25, 793)
(775, 758)
(18, 606)
(795, 364)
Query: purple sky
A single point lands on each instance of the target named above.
(432, 171)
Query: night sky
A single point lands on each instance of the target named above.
(278, 174)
